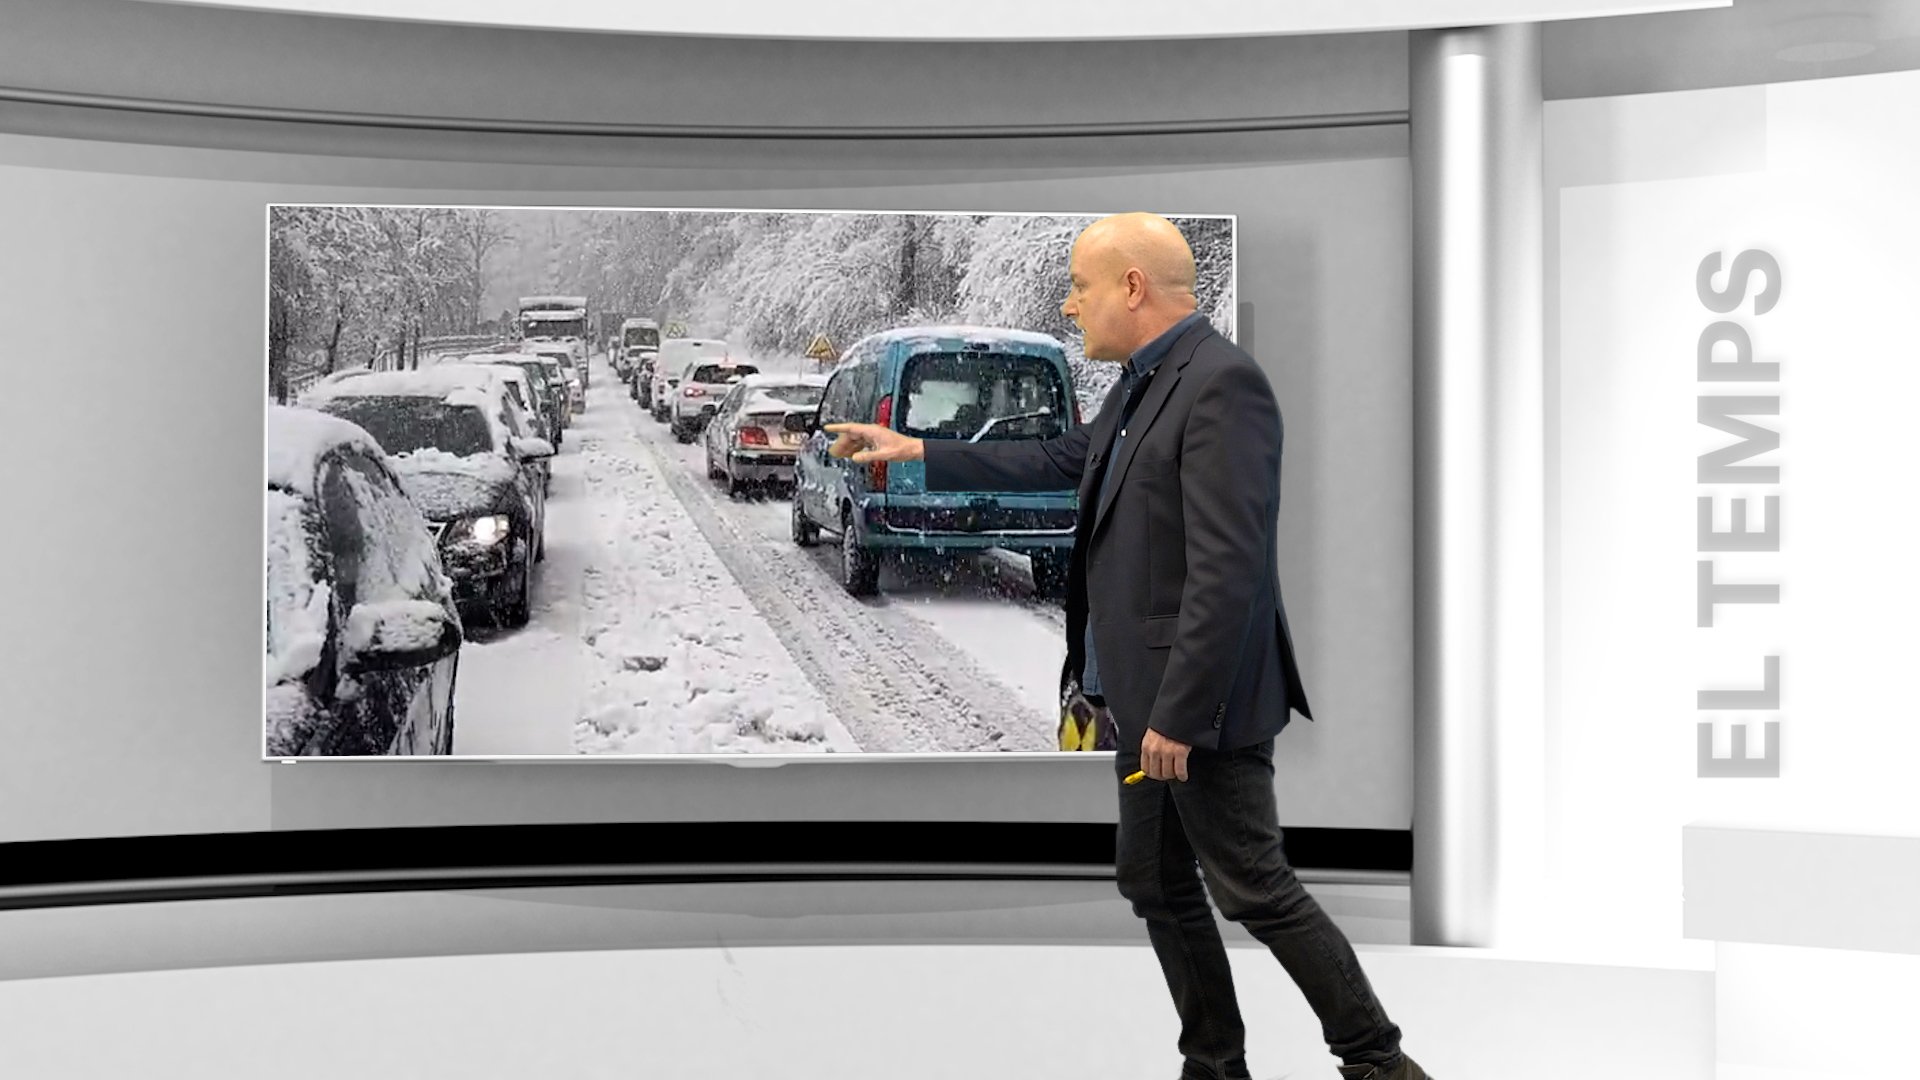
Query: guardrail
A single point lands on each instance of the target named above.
(388, 358)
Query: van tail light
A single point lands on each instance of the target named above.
(753, 436)
(882, 417)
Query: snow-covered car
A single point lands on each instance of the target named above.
(549, 396)
(564, 329)
(697, 398)
(470, 467)
(570, 372)
(640, 380)
(557, 378)
(638, 338)
(759, 429)
(524, 405)
(362, 632)
(978, 384)
(671, 362)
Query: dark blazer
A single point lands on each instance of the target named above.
(1192, 634)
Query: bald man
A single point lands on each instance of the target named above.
(1175, 624)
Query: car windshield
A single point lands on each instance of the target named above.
(554, 328)
(404, 424)
(955, 395)
(642, 336)
(720, 374)
(790, 394)
(536, 375)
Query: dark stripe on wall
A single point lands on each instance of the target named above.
(295, 862)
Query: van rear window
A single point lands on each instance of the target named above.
(955, 395)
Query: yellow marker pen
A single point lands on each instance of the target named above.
(1136, 778)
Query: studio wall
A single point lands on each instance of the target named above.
(136, 709)
(1728, 385)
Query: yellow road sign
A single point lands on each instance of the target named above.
(821, 349)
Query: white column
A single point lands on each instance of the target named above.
(1479, 499)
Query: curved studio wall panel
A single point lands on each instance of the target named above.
(140, 622)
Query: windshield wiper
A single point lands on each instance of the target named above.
(988, 426)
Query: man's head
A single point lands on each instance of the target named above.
(1131, 278)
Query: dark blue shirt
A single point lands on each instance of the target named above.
(1134, 375)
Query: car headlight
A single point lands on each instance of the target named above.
(489, 530)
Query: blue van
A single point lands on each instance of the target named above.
(939, 382)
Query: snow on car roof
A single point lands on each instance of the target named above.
(777, 379)
(509, 372)
(964, 332)
(549, 315)
(297, 438)
(441, 380)
(624, 323)
(482, 387)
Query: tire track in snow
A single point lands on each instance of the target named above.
(878, 669)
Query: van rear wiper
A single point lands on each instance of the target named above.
(988, 426)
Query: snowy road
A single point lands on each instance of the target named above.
(671, 619)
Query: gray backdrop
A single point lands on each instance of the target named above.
(132, 621)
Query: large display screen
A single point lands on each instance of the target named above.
(137, 597)
(552, 482)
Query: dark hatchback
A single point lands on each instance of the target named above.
(474, 476)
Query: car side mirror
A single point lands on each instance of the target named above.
(531, 449)
(392, 635)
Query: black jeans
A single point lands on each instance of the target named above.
(1223, 816)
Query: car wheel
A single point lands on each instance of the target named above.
(805, 532)
(682, 434)
(859, 568)
(519, 609)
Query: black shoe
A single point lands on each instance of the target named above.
(1408, 1069)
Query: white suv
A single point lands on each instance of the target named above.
(672, 361)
